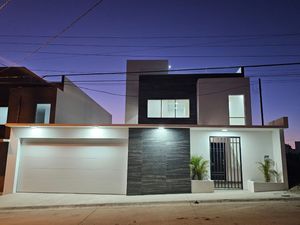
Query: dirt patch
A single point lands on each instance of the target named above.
(295, 189)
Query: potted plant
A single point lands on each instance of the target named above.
(198, 166)
(267, 169)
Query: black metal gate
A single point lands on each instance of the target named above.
(226, 162)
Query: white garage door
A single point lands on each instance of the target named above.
(73, 167)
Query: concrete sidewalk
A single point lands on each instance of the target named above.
(38, 201)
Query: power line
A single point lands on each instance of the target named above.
(178, 70)
(150, 46)
(4, 4)
(202, 94)
(252, 83)
(276, 75)
(156, 48)
(73, 71)
(52, 38)
(283, 80)
(136, 80)
(164, 56)
(289, 77)
(135, 96)
(57, 71)
(153, 37)
(1, 8)
(111, 82)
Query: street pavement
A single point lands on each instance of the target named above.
(219, 213)
(38, 201)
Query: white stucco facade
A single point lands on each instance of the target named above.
(255, 143)
(213, 102)
(85, 159)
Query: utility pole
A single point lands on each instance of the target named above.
(261, 103)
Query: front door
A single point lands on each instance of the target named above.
(226, 162)
(218, 163)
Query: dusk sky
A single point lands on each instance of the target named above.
(189, 33)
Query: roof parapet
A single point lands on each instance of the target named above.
(282, 121)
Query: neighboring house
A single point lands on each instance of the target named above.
(27, 98)
(297, 146)
(168, 119)
(293, 163)
(291, 150)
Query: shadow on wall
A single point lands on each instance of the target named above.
(293, 168)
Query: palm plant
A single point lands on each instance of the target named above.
(198, 166)
(266, 168)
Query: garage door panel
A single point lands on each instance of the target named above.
(42, 151)
(67, 164)
(73, 169)
(69, 182)
(101, 158)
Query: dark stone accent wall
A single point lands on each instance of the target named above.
(183, 86)
(158, 161)
(167, 87)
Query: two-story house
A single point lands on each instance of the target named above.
(169, 118)
(214, 114)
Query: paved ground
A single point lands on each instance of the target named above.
(35, 200)
(241, 213)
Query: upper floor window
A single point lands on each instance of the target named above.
(168, 108)
(236, 110)
(42, 114)
(3, 115)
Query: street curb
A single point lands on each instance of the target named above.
(195, 202)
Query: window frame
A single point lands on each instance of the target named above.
(46, 118)
(237, 117)
(175, 109)
(5, 107)
(160, 113)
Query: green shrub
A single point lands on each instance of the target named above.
(198, 166)
(266, 167)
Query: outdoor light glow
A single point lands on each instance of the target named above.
(170, 66)
(36, 130)
(96, 131)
